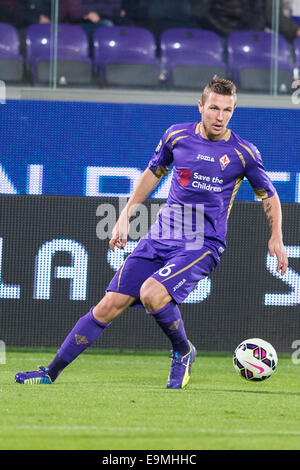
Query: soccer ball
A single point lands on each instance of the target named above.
(255, 359)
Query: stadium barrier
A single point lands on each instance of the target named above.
(54, 267)
(101, 149)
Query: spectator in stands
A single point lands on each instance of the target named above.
(130, 11)
(34, 11)
(224, 17)
(39, 11)
(287, 6)
(287, 27)
(199, 10)
(9, 12)
(101, 11)
(158, 15)
(70, 11)
(232, 15)
(97, 13)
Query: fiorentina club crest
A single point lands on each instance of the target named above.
(224, 162)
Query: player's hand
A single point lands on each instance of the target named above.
(118, 242)
(276, 247)
(119, 233)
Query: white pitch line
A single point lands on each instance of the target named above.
(147, 429)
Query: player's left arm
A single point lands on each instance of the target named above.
(272, 208)
(265, 190)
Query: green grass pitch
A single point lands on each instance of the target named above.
(118, 400)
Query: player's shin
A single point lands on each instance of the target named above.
(86, 331)
(170, 321)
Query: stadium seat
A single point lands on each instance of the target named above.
(126, 56)
(250, 61)
(190, 57)
(296, 19)
(11, 62)
(74, 66)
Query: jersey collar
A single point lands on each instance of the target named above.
(225, 138)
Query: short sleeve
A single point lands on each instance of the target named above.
(256, 174)
(162, 157)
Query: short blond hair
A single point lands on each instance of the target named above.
(221, 86)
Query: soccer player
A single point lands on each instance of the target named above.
(187, 240)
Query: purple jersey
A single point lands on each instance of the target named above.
(206, 175)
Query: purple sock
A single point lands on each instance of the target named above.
(84, 333)
(170, 320)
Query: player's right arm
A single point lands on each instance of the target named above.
(157, 168)
(144, 187)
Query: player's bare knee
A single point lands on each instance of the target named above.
(111, 306)
(104, 310)
(154, 295)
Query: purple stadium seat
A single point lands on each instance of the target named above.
(250, 60)
(126, 56)
(296, 19)
(11, 62)
(74, 65)
(190, 57)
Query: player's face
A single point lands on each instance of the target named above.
(216, 113)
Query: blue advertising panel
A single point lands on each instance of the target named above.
(101, 149)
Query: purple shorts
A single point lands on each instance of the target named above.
(179, 270)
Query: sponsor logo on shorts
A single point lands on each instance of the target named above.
(179, 285)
